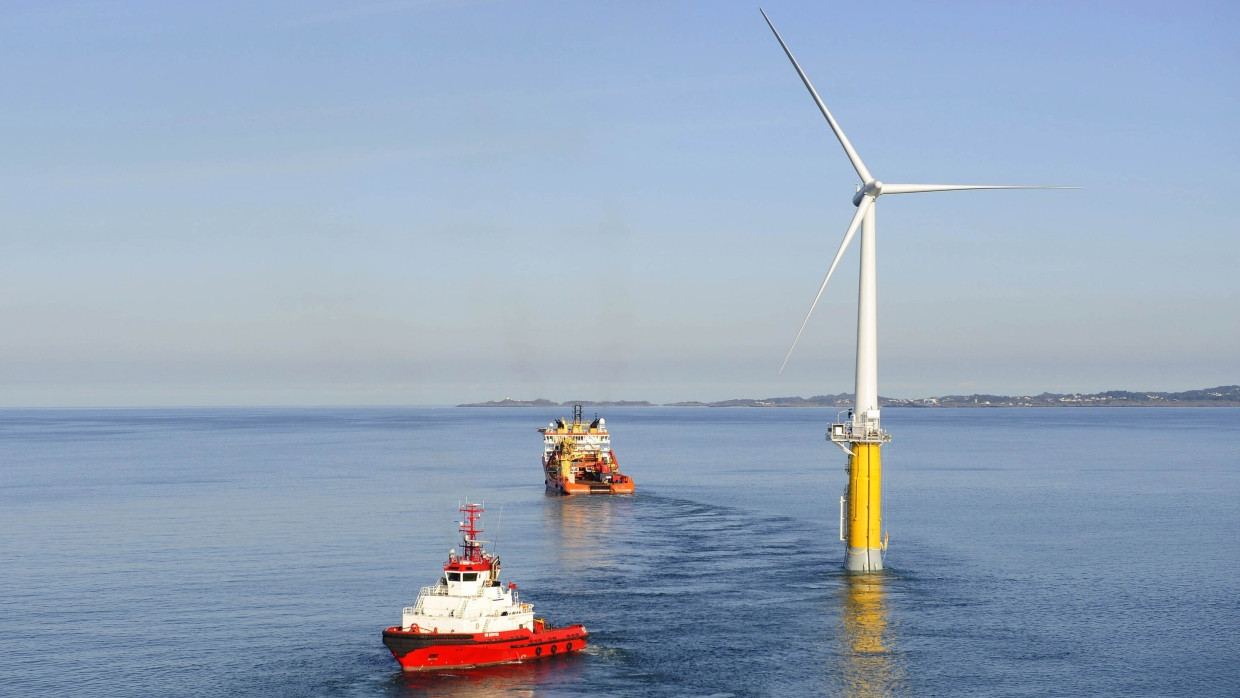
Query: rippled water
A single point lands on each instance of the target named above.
(261, 552)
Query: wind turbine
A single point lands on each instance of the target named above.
(861, 505)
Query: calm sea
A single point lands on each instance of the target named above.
(262, 551)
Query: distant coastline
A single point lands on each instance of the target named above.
(1222, 396)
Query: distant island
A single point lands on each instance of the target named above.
(509, 402)
(1222, 396)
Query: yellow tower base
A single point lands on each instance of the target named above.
(864, 509)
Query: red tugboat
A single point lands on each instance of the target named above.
(469, 619)
(577, 458)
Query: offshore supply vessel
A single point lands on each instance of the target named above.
(577, 458)
(469, 618)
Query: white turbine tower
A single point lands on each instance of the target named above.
(860, 507)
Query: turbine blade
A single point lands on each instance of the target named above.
(862, 207)
(920, 188)
(839, 133)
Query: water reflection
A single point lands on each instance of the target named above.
(521, 679)
(868, 638)
(589, 529)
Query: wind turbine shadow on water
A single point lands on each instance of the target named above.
(862, 435)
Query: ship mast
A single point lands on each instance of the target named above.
(471, 546)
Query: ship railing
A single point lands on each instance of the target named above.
(442, 590)
(437, 590)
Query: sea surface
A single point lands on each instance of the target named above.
(1034, 552)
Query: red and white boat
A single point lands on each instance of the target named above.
(468, 618)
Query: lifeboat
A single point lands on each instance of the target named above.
(578, 459)
(468, 618)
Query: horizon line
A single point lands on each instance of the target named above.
(614, 402)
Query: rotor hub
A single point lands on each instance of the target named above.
(872, 189)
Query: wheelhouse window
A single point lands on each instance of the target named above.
(454, 576)
(469, 576)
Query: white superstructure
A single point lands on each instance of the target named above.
(468, 601)
(468, 598)
(589, 438)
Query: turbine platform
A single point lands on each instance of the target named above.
(863, 431)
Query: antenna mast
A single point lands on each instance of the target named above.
(471, 546)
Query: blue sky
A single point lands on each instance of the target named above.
(435, 202)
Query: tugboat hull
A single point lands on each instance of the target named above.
(421, 651)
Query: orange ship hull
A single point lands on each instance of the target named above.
(563, 486)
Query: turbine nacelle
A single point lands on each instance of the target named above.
(872, 189)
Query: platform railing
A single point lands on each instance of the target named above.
(851, 431)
